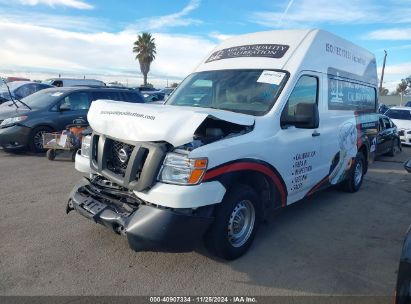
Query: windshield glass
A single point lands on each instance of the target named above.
(12, 85)
(43, 98)
(245, 91)
(399, 114)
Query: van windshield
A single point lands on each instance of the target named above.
(245, 91)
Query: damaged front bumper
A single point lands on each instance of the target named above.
(147, 227)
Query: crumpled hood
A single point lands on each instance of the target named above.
(148, 122)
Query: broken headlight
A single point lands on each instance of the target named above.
(85, 146)
(181, 170)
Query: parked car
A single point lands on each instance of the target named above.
(388, 139)
(265, 120)
(407, 104)
(403, 286)
(401, 116)
(69, 82)
(145, 89)
(20, 89)
(153, 96)
(22, 124)
(167, 92)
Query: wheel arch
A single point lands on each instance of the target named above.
(261, 176)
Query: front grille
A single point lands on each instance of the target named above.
(134, 166)
(121, 153)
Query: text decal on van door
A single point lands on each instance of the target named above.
(252, 50)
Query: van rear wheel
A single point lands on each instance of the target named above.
(355, 174)
(236, 222)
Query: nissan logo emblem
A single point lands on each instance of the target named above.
(123, 155)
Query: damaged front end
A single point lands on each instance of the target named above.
(213, 129)
(143, 178)
(146, 226)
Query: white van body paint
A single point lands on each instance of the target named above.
(300, 161)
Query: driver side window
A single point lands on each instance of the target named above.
(301, 101)
(76, 101)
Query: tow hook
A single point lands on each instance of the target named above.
(69, 206)
(120, 230)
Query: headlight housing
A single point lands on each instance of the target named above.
(8, 122)
(180, 170)
(409, 132)
(85, 146)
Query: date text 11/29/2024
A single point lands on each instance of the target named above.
(203, 299)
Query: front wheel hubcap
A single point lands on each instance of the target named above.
(241, 223)
(38, 139)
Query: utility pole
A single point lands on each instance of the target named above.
(382, 73)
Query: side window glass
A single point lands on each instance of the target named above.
(134, 97)
(300, 104)
(99, 95)
(76, 101)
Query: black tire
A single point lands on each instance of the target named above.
(51, 154)
(395, 148)
(354, 181)
(36, 140)
(235, 205)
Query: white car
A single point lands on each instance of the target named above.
(401, 117)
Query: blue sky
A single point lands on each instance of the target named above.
(43, 38)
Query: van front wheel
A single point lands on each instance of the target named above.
(355, 174)
(235, 224)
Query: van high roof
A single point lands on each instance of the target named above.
(294, 51)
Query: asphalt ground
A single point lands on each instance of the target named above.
(332, 243)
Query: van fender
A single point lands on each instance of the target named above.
(257, 173)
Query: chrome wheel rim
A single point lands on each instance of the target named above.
(38, 139)
(241, 223)
(358, 173)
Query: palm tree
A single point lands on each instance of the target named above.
(145, 49)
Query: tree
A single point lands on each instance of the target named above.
(408, 80)
(145, 49)
(402, 87)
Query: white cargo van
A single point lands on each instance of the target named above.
(265, 120)
(69, 82)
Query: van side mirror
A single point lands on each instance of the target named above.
(407, 166)
(306, 116)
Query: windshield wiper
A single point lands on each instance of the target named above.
(11, 96)
(14, 99)
(23, 103)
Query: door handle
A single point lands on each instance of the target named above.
(315, 133)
